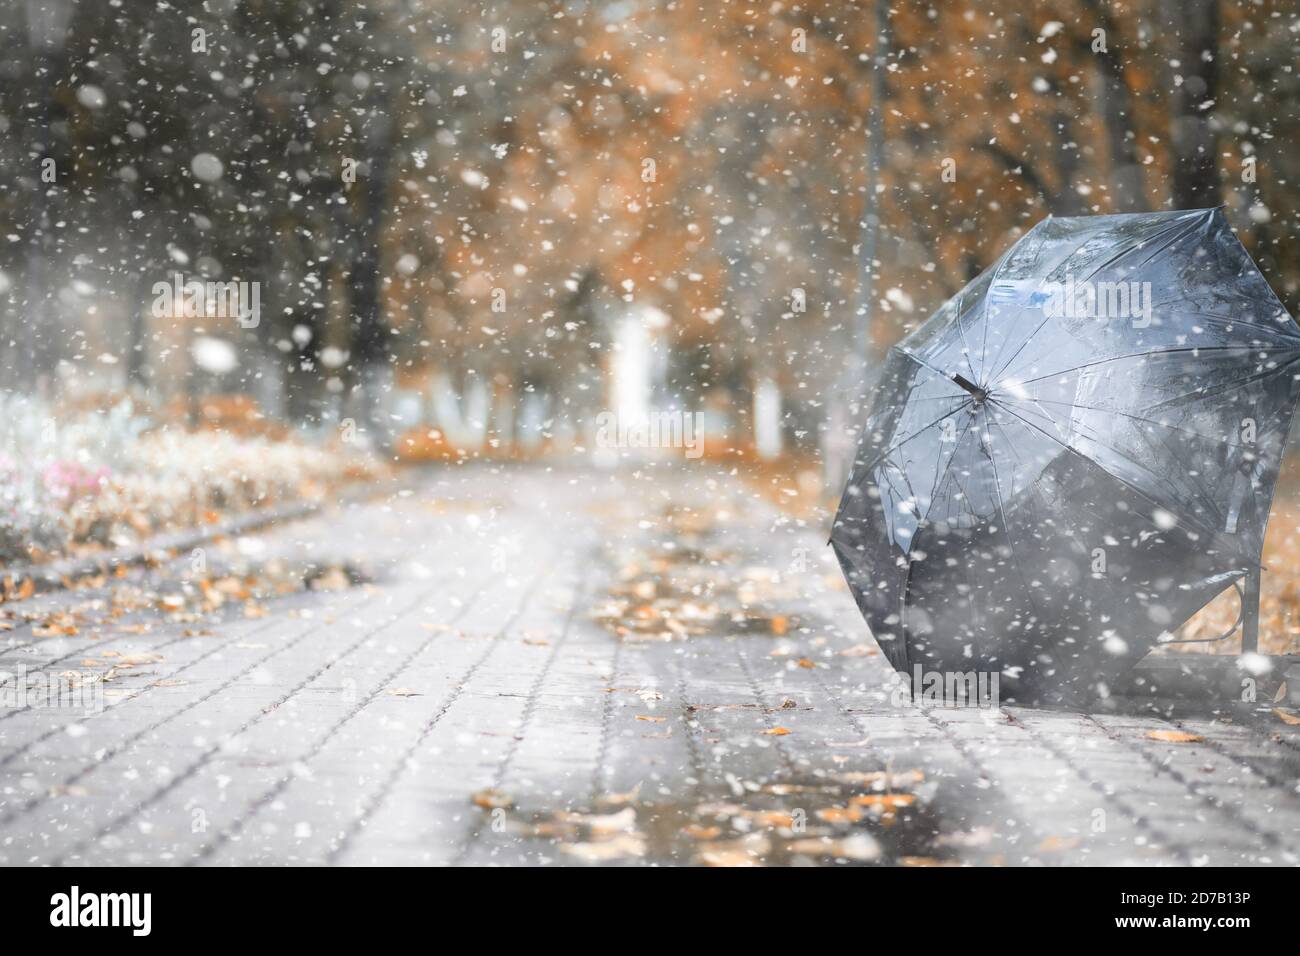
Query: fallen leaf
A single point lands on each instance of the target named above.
(922, 861)
(777, 732)
(1174, 736)
(624, 821)
(599, 851)
(698, 832)
(171, 602)
(860, 846)
(889, 801)
(839, 814)
(491, 799)
(137, 660)
(333, 579)
(403, 692)
(747, 851)
(653, 720)
(618, 799)
(882, 779)
(858, 650)
(1286, 718)
(1055, 844)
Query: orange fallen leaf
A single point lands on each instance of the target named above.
(856, 847)
(653, 720)
(611, 848)
(697, 832)
(773, 818)
(1286, 718)
(780, 624)
(806, 663)
(1174, 736)
(171, 602)
(858, 650)
(777, 732)
(839, 814)
(889, 801)
(922, 861)
(1055, 844)
(491, 799)
(137, 660)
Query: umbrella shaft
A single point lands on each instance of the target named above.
(979, 393)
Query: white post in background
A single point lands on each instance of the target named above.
(767, 419)
(630, 369)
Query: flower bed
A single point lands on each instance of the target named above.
(97, 479)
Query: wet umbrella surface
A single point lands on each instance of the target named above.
(1074, 454)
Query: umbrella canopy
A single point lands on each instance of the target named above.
(1074, 454)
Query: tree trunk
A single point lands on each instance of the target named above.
(1127, 188)
(870, 225)
(368, 335)
(1195, 144)
(302, 383)
(846, 406)
(137, 330)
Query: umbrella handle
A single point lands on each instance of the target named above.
(1250, 612)
(1247, 617)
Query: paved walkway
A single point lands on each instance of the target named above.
(563, 666)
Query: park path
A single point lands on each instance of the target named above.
(558, 665)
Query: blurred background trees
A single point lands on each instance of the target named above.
(461, 216)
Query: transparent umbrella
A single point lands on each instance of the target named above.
(1074, 454)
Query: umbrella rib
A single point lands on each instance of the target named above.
(1173, 226)
(1192, 225)
(940, 474)
(923, 363)
(1016, 355)
(1190, 348)
(961, 299)
(1094, 437)
(1116, 411)
(1063, 515)
(1205, 393)
(1002, 510)
(1137, 245)
(1205, 492)
(1284, 330)
(916, 434)
(965, 568)
(1128, 484)
(1194, 393)
(988, 294)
